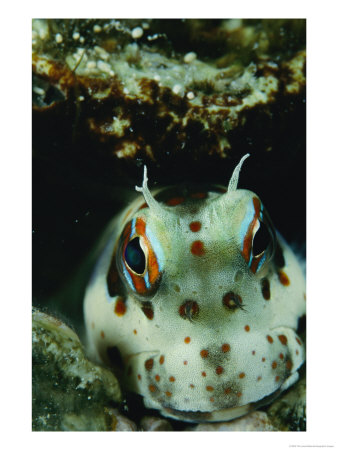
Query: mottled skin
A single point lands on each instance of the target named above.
(209, 340)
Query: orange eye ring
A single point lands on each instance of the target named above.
(259, 220)
(137, 261)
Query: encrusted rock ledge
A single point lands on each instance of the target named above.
(141, 94)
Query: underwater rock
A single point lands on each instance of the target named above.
(155, 424)
(69, 392)
(120, 422)
(129, 91)
(288, 413)
(255, 421)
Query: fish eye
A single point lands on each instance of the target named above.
(258, 236)
(134, 256)
(139, 258)
(263, 243)
(261, 240)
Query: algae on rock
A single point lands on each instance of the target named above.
(69, 391)
(123, 86)
(288, 413)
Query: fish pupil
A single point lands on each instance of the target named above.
(261, 240)
(134, 256)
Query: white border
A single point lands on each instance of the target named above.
(16, 220)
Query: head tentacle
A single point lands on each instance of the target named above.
(153, 204)
(235, 175)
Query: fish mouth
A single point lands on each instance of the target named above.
(178, 397)
(221, 415)
(212, 385)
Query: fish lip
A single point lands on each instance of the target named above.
(218, 415)
(222, 414)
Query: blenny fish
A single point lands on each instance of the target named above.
(199, 296)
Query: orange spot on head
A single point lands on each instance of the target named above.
(175, 201)
(195, 226)
(221, 190)
(283, 278)
(274, 365)
(149, 364)
(277, 378)
(241, 375)
(227, 391)
(197, 248)
(161, 359)
(283, 339)
(299, 341)
(219, 370)
(259, 378)
(152, 388)
(139, 377)
(157, 377)
(188, 309)
(265, 286)
(187, 340)
(185, 363)
(199, 195)
(231, 300)
(212, 399)
(269, 338)
(297, 352)
(247, 328)
(253, 352)
(148, 311)
(263, 359)
(192, 386)
(114, 276)
(281, 356)
(225, 348)
(204, 353)
(120, 307)
(168, 394)
(102, 334)
(172, 379)
(144, 205)
(288, 364)
(204, 374)
(209, 388)
(182, 311)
